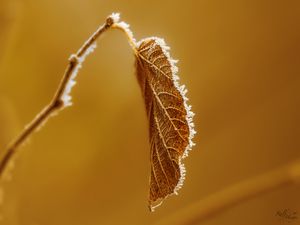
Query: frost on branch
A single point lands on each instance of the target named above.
(115, 17)
(66, 97)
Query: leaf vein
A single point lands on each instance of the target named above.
(168, 115)
(153, 65)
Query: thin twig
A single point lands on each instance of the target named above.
(234, 195)
(57, 103)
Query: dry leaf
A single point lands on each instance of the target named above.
(170, 118)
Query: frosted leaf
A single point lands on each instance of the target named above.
(170, 118)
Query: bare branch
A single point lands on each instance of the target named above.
(61, 98)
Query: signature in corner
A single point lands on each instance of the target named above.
(287, 214)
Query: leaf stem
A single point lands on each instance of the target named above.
(124, 27)
(56, 103)
(229, 197)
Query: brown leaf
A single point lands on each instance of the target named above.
(170, 118)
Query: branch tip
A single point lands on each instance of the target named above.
(112, 19)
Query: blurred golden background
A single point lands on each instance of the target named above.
(240, 61)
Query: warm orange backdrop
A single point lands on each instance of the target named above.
(240, 61)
